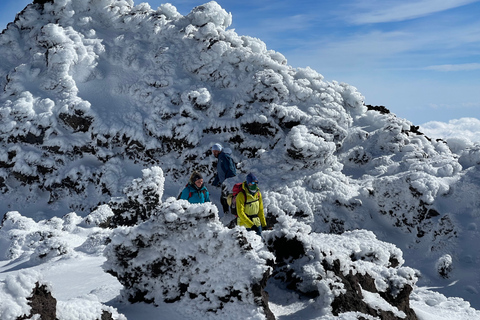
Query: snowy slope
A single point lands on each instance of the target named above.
(94, 92)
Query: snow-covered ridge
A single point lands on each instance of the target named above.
(96, 91)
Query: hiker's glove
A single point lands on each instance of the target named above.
(254, 228)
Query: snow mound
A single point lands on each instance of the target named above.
(95, 93)
(183, 252)
(26, 295)
(342, 272)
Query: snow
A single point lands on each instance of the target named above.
(375, 301)
(463, 131)
(106, 108)
(431, 305)
(83, 290)
(14, 291)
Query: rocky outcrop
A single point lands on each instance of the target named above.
(342, 274)
(183, 253)
(141, 198)
(25, 295)
(42, 304)
(95, 92)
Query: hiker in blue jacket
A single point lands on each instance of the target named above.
(225, 169)
(225, 165)
(195, 191)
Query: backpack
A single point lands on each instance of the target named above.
(232, 169)
(232, 197)
(237, 188)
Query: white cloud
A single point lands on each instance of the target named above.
(418, 47)
(464, 128)
(455, 67)
(378, 12)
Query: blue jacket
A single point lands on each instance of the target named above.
(194, 194)
(225, 168)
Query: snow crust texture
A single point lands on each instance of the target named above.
(184, 252)
(341, 271)
(26, 294)
(106, 108)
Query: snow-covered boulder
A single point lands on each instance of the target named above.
(184, 253)
(26, 295)
(22, 238)
(444, 266)
(141, 198)
(41, 241)
(83, 108)
(351, 272)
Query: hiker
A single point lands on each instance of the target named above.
(225, 169)
(195, 190)
(249, 206)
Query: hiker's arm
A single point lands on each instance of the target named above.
(215, 181)
(184, 194)
(261, 213)
(240, 202)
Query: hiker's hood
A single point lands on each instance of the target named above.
(227, 150)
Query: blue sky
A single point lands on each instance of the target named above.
(419, 58)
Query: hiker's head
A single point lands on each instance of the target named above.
(216, 149)
(252, 182)
(197, 179)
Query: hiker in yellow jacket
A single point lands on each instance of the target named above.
(250, 210)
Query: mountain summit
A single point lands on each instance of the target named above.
(97, 96)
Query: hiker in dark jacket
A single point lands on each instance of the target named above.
(225, 169)
(195, 191)
(225, 165)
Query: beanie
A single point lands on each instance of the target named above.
(251, 178)
(195, 176)
(217, 147)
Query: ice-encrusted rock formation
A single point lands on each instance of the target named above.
(94, 92)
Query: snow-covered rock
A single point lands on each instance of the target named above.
(107, 107)
(183, 252)
(23, 295)
(27, 296)
(343, 271)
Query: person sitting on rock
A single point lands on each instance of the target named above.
(195, 190)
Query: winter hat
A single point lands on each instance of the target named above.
(195, 176)
(251, 178)
(217, 147)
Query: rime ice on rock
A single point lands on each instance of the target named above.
(94, 92)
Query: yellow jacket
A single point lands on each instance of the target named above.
(250, 212)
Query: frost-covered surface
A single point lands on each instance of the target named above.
(18, 289)
(184, 252)
(99, 95)
(140, 198)
(14, 294)
(41, 241)
(327, 267)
